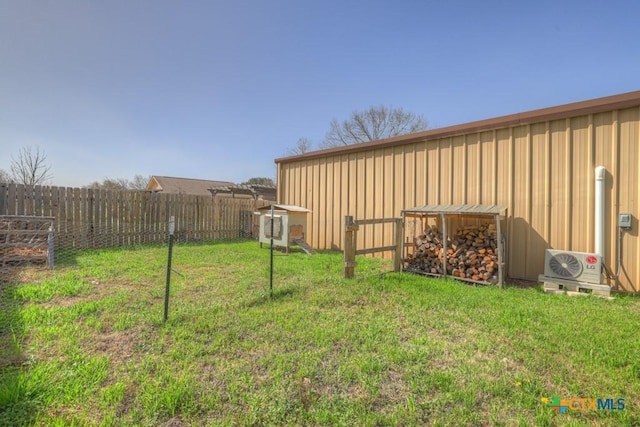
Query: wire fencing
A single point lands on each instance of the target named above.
(47, 229)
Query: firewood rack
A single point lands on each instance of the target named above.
(446, 218)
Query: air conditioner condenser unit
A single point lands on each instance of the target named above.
(573, 266)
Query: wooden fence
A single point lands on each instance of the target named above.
(88, 218)
(351, 228)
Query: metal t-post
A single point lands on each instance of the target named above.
(271, 257)
(50, 247)
(172, 226)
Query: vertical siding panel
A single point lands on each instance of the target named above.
(503, 169)
(473, 163)
(433, 172)
(458, 171)
(520, 231)
(388, 184)
(370, 202)
(344, 193)
(352, 178)
(297, 187)
(502, 191)
(611, 253)
(421, 174)
(333, 205)
(306, 176)
(581, 222)
(488, 172)
(314, 200)
(293, 184)
(284, 196)
(409, 178)
(446, 185)
(559, 163)
(379, 188)
(301, 171)
(340, 196)
(628, 196)
(569, 181)
(281, 182)
(547, 181)
(321, 215)
(370, 179)
(538, 185)
(391, 189)
(361, 198)
(398, 180)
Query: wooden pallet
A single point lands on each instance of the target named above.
(552, 285)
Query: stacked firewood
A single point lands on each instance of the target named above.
(427, 256)
(471, 253)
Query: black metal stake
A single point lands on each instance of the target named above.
(271, 257)
(166, 291)
(50, 245)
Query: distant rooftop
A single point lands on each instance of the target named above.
(173, 185)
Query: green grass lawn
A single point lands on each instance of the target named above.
(85, 345)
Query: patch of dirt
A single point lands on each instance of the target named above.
(392, 388)
(174, 422)
(118, 346)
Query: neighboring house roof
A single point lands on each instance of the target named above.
(172, 185)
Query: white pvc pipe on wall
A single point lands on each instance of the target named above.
(601, 174)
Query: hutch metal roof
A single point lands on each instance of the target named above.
(288, 208)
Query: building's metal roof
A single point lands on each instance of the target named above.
(289, 208)
(459, 209)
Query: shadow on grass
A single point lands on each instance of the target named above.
(278, 294)
(18, 401)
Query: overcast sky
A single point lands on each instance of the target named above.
(218, 89)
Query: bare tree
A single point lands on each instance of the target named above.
(373, 124)
(302, 146)
(139, 182)
(30, 167)
(5, 177)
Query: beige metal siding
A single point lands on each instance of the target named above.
(542, 171)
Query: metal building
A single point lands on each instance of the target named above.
(539, 164)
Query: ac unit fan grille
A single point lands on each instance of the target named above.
(565, 265)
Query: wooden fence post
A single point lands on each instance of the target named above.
(397, 254)
(350, 229)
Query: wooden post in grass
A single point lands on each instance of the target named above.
(397, 254)
(350, 229)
